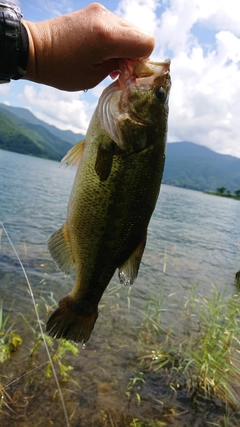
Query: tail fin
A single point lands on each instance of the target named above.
(68, 322)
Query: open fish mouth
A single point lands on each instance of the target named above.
(133, 70)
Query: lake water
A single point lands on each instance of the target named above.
(193, 239)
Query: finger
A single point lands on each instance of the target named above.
(119, 38)
(111, 68)
(135, 42)
(127, 42)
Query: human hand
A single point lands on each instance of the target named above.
(77, 51)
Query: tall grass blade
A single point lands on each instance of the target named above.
(40, 325)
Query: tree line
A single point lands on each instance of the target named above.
(223, 191)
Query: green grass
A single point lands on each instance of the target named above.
(205, 360)
(9, 340)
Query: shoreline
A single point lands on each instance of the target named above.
(229, 196)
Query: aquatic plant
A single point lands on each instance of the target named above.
(215, 350)
(58, 350)
(9, 340)
(133, 386)
(5, 400)
(206, 362)
(154, 423)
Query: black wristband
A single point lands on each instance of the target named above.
(23, 54)
(14, 43)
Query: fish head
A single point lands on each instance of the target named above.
(137, 103)
(145, 89)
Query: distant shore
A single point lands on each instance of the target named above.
(228, 195)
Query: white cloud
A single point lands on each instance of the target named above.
(221, 14)
(65, 110)
(228, 46)
(4, 89)
(140, 12)
(204, 106)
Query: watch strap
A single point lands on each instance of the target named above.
(23, 54)
(13, 43)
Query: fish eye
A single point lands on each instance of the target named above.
(161, 94)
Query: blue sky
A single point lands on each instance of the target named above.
(202, 38)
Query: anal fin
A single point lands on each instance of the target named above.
(128, 271)
(60, 249)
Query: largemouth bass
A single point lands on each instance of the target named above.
(120, 167)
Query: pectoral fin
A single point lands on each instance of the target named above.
(128, 271)
(104, 160)
(73, 156)
(60, 248)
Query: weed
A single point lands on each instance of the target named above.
(5, 399)
(214, 352)
(206, 363)
(57, 348)
(133, 386)
(9, 340)
(154, 423)
(58, 351)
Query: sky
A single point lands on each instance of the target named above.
(202, 39)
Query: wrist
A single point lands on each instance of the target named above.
(48, 50)
(31, 69)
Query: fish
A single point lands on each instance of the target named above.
(119, 171)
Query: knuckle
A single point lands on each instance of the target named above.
(99, 21)
(97, 8)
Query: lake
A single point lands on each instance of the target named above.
(193, 240)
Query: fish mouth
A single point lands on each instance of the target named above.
(141, 70)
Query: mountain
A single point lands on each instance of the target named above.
(194, 166)
(22, 132)
(187, 164)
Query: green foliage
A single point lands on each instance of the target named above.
(207, 361)
(134, 386)
(24, 117)
(28, 138)
(214, 352)
(9, 340)
(58, 350)
(154, 423)
(221, 190)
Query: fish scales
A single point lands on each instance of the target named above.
(113, 197)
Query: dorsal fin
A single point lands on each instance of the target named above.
(73, 156)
